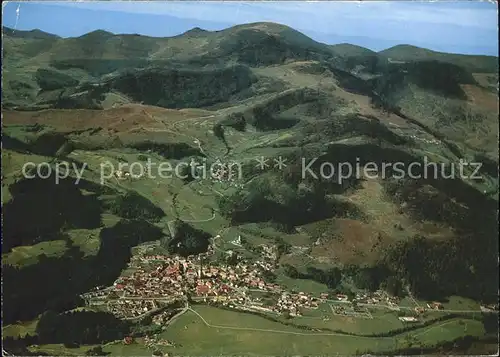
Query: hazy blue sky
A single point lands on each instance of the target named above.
(461, 27)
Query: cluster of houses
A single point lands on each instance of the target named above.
(378, 297)
(230, 280)
(154, 342)
(269, 252)
(420, 310)
(156, 280)
(348, 310)
(222, 173)
(160, 278)
(127, 175)
(408, 319)
(435, 305)
(427, 141)
(339, 310)
(293, 303)
(97, 293)
(227, 173)
(430, 306)
(130, 309)
(163, 317)
(489, 308)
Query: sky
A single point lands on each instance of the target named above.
(469, 27)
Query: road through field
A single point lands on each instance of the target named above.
(424, 331)
(281, 331)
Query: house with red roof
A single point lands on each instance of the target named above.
(202, 289)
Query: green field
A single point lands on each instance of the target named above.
(20, 329)
(58, 349)
(86, 239)
(212, 331)
(304, 285)
(27, 255)
(233, 333)
(383, 321)
(12, 165)
(239, 333)
(460, 303)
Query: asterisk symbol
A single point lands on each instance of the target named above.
(280, 162)
(262, 162)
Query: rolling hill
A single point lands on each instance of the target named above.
(482, 64)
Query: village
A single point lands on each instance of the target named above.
(163, 287)
(154, 281)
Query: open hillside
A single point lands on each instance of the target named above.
(267, 100)
(482, 64)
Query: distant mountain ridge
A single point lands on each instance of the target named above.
(475, 63)
(32, 34)
(403, 52)
(38, 66)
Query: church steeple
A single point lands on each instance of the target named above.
(200, 268)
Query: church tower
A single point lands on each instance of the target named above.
(200, 268)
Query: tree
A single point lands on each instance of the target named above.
(282, 246)
(333, 277)
(146, 321)
(269, 276)
(65, 150)
(186, 173)
(229, 205)
(393, 286)
(46, 326)
(365, 278)
(291, 271)
(235, 121)
(71, 344)
(188, 240)
(113, 294)
(232, 259)
(95, 351)
(410, 340)
(133, 206)
(349, 293)
(219, 131)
